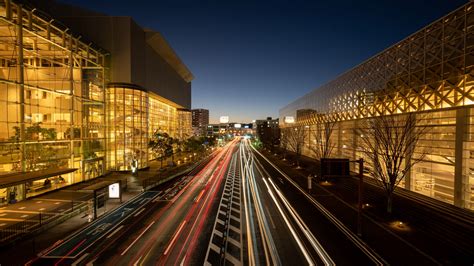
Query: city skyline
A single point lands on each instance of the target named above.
(249, 59)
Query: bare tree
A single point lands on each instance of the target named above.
(284, 140)
(389, 143)
(322, 146)
(296, 137)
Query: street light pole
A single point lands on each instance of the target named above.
(361, 183)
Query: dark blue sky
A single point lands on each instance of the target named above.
(250, 58)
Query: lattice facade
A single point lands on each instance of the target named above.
(431, 71)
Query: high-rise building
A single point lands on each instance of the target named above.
(200, 120)
(431, 74)
(83, 99)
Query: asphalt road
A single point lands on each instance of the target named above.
(236, 209)
(163, 231)
(342, 246)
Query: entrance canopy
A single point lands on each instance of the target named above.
(14, 179)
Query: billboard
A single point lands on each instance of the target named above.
(289, 119)
(224, 119)
(114, 191)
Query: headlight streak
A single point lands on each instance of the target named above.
(314, 242)
(269, 248)
(351, 236)
(292, 230)
(251, 257)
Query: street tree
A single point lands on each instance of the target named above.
(322, 146)
(296, 138)
(284, 141)
(388, 143)
(160, 145)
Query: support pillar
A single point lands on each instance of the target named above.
(21, 85)
(461, 127)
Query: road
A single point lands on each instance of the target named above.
(236, 208)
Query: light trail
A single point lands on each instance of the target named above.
(350, 235)
(314, 242)
(174, 237)
(136, 239)
(270, 252)
(288, 224)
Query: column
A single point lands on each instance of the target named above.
(461, 121)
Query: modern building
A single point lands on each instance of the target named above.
(83, 99)
(268, 131)
(200, 120)
(429, 73)
(148, 83)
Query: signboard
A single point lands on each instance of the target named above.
(334, 167)
(289, 119)
(237, 125)
(114, 191)
(224, 119)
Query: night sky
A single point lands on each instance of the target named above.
(250, 58)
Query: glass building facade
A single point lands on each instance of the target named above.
(133, 115)
(429, 73)
(52, 112)
(57, 115)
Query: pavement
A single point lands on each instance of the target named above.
(56, 213)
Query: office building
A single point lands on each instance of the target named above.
(200, 120)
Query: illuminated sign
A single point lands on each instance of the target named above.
(224, 119)
(114, 191)
(289, 119)
(237, 125)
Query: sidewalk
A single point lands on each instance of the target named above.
(41, 214)
(415, 229)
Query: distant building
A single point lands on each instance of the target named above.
(233, 129)
(268, 131)
(200, 120)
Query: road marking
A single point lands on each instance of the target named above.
(115, 231)
(140, 211)
(136, 239)
(174, 237)
(80, 259)
(351, 236)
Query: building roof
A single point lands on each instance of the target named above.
(161, 46)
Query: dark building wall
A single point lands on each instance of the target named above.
(162, 79)
(132, 58)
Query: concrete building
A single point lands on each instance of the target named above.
(200, 121)
(268, 131)
(81, 100)
(429, 73)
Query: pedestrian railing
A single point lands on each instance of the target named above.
(34, 223)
